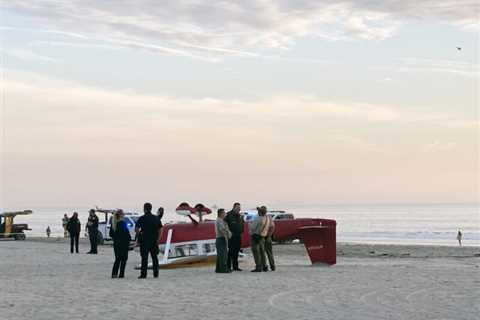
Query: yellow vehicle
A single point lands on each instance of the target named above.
(10, 230)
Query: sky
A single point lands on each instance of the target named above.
(283, 103)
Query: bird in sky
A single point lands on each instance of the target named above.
(459, 48)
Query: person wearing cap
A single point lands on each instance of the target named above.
(222, 235)
(147, 230)
(267, 233)
(256, 239)
(92, 227)
(121, 242)
(234, 221)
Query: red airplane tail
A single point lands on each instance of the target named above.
(320, 241)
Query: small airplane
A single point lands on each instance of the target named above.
(193, 244)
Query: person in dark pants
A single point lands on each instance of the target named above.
(234, 221)
(222, 235)
(160, 212)
(92, 227)
(147, 229)
(73, 228)
(121, 242)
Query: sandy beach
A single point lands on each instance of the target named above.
(42, 280)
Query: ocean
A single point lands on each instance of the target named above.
(424, 224)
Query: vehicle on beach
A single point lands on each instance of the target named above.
(276, 215)
(105, 225)
(10, 230)
(249, 215)
(193, 244)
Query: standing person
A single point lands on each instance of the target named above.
(146, 229)
(160, 212)
(234, 221)
(64, 224)
(267, 233)
(48, 231)
(92, 227)
(73, 227)
(257, 241)
(121, 242)
(459, 237)
(222, 235)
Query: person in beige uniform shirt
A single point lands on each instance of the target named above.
(257, 241)
(268, 234)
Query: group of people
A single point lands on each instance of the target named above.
(229, 228)
(72, 228)
(147, 231)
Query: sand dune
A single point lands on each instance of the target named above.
(42, 280)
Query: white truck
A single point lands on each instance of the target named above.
(105, 224)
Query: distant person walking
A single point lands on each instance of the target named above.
(234, 220)
(459, 237)
(74, 227)
(257, 241)
(92, 227)
(147, 230)
(121, 242)
(267, 233)
(64, 224)
(222, 235)
(48, 231)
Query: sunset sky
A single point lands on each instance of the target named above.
(275, 102)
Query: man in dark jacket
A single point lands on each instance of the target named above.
(234, 220)
(73, 228)
(147, 228)
(92, 227)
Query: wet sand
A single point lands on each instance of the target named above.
(42, 280)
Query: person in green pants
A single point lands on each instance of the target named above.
(268, 243)
(257, 241)
(222, 234)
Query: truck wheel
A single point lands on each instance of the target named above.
(100, 239)
(20, 236)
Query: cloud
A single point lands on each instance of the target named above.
(438, 146)
(69, 100)
(56, 132)
(28, 55)
(38, 102)
(212, 29)
(439, 65)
